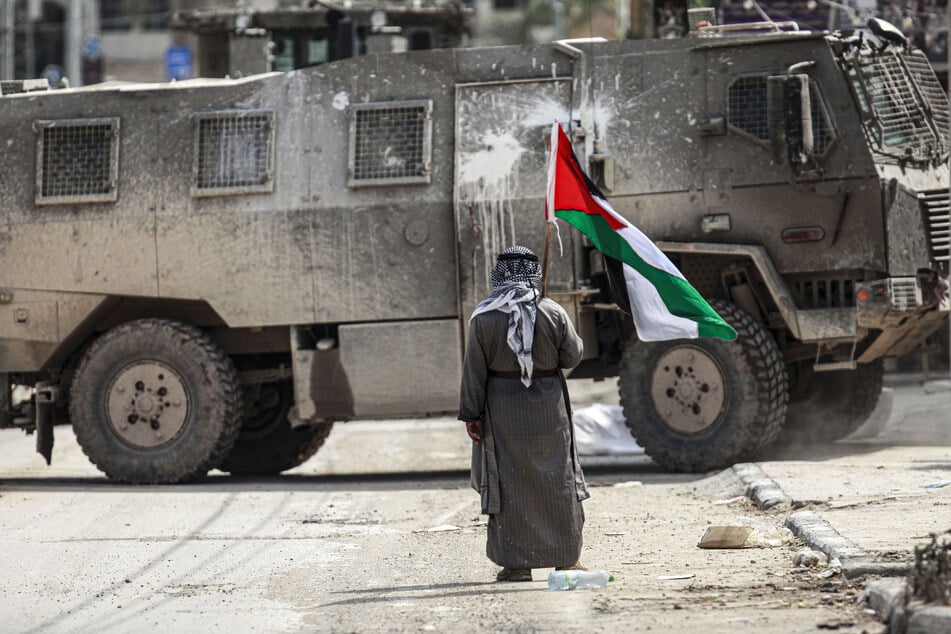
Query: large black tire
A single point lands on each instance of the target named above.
(702, 404)
(268, 444)
(155, 401)
(831, 405)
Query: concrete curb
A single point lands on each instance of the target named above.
(820, 535)
(812, 528)
(930, 620)
(886, 598)
(854, 569)
(760, 488)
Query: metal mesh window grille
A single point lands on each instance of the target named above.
(77, 160)
(899, 119)
(234, 153)
(931, 90)
(935, 206)
(748, 105)
(390, 143)
(822, 134)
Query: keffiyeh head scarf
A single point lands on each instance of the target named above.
(515, 276)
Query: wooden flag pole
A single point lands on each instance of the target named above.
(545, 257)
(550, 202)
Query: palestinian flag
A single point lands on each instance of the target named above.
(664, 304)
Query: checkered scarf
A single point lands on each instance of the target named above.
(515, 277)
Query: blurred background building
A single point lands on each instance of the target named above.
(92, 40)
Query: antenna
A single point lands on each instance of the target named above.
(762, 13)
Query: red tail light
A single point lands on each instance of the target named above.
(803, 234)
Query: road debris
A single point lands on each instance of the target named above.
(772, 538)
(931, 578)
(725, 537)
(937, 484)
(733, 500)
(689, 575)
(835, 625)
(834, 568)
(600, 430)
(809, 558)
(442, 528)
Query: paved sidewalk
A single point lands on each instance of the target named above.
(873, 500)
(874, 492)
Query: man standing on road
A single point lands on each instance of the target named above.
(514, 401)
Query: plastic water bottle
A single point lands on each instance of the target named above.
(573, 579)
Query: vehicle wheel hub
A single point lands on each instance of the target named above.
(687, 389)
(147, 404)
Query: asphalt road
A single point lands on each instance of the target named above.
(380, 532)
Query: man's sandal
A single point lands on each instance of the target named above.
(514, 574)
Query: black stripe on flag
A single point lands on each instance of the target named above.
(617, 288)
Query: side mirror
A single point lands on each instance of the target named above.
(789, 113)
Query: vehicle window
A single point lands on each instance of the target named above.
(390, 143)
(77, 161)
(234, 152)
(904, 107)
(747, 112)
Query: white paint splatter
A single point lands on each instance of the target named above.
(488, 178)
(543, 112)
(602, 116)
(493, 164)
(341, 101)
(496, 146)
(391, 160)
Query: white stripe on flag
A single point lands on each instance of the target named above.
(651, 317)
(648, 251)
(552, 166)
(641, 244)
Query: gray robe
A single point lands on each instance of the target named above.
(526, 468)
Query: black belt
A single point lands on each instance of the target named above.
(514, 374)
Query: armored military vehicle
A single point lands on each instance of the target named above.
(211, 273)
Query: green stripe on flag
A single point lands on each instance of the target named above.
(680, 298)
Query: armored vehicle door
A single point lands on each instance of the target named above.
(502, 136)
(756, 185)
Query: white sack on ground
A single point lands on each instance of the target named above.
(600, 430)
